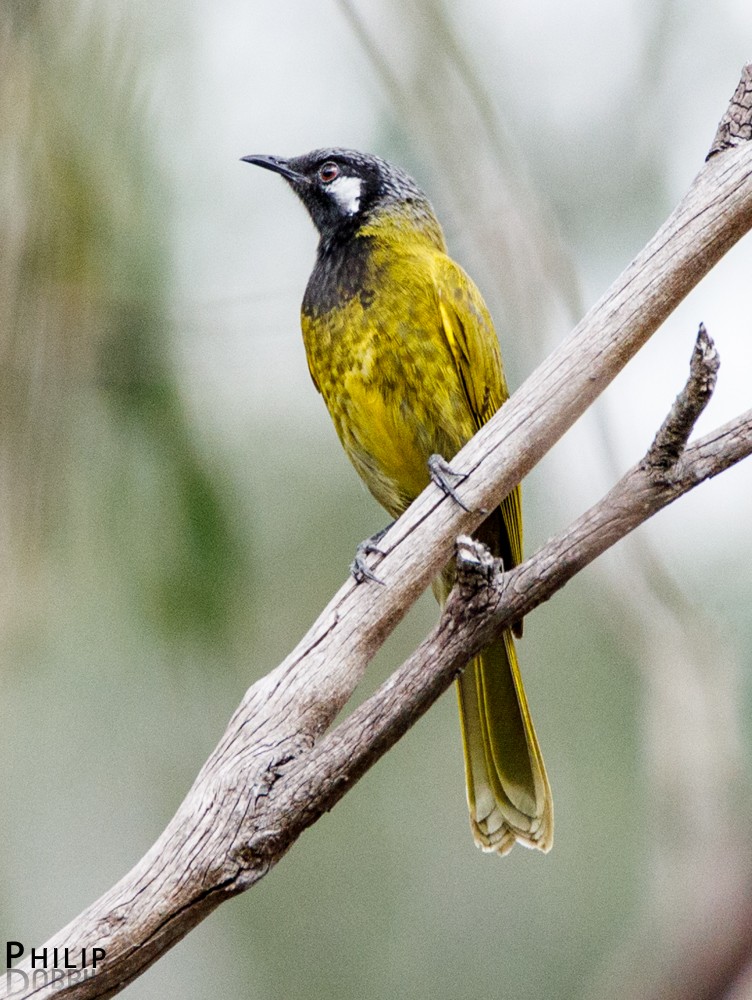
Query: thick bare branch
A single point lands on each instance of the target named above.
(236, 821)
(736, 125)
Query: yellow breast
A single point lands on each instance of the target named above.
(387, 374)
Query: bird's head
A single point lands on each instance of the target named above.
(343, 189)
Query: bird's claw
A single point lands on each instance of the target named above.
(359, 569)
(442, 474)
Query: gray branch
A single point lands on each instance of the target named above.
(274, 770)
(736, 125)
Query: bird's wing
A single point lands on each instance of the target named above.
(469, 332)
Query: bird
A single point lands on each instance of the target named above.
(402, 348)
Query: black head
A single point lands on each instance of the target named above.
(342, 188)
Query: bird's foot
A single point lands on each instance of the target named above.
(443, 474)
(358, 567)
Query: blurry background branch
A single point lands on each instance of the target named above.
(83, 357)
(247, 806)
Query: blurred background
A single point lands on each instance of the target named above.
(175, 508)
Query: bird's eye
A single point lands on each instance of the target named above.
(328, 172)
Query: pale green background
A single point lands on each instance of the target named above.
(175, 508)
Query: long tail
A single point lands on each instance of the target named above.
(507, 787)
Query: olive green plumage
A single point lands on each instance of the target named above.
(401, 346)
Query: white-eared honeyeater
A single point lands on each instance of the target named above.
(401, 346)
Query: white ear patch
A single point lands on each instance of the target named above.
(346, 192)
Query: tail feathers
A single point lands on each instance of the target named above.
(507, 788)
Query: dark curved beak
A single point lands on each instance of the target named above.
(278, 165)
